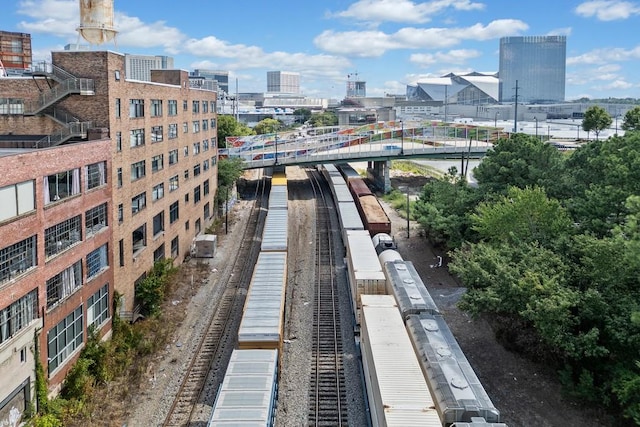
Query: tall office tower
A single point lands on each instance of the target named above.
(538, 63)
(138, 67)
(15, 51)
(222, 77)
(283, 82)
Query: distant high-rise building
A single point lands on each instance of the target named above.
(138, 67)
(222, 77)
(538, 63)
(15, 51)
(283, 82)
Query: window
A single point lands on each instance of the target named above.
(173, 131)
(158, 192)
(61, 185)
(121, 252)
(185, 151)
(196, 107)
(158, 254)
(139, 239)
(119, 172)
(157, 163)
(158, 224)
(119, 141)
(138, 170)
(95, 175)
(174, 247)
(213, 123)
(196, 194)
(64, 338)
(173, 107)
(205, 124)
(173, 183)
(186, 174)
(214, 160)
(207, 210)
(185, 127)
(11, 106)
(120, 213)
(116, 75)
(156, 134)
(186, 225)
(205, 145)
(17, 199)
(205, 165)
(196, 170)
(198, 225)
(97, 261)
(17, 258)
(118, 108)
(98, 307)
(139, 202)
(136, 137)
(196, 148)
(205, 107)
(196, 126)
(63, 284)
(62, 235)
(18, 315)
(185, 105)
(205, 186)
(213, 106)
(173, 213)
(156, 108)
(95, 219)
(136, 108)
(173, 157)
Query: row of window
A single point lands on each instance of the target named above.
(137, 136)
(139, 202)
(139, 169)
(136, 107)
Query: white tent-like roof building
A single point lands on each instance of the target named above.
(473, 88)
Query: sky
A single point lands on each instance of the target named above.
(386, 43)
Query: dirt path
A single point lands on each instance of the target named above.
(527, 394)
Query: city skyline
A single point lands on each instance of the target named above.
(387, 43)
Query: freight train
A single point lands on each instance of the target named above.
(248, 393)
(399, 327)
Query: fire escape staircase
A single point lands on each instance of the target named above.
(67, 84)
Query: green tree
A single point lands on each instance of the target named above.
(327, 118)
(229, 126)
(596, 119)
(302, 115)
(266, 126)
(631, 119)
(229, 170)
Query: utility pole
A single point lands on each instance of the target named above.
(515, 115)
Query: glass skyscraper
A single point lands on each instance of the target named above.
(538, 63)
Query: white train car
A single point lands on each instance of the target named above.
(456, 389)
(278, 197)
(248, 393)
(349, 218)
(341, 193)
(263, 315)
(347, 171)
(405, 284)
(363, 268)
(397, 391)
(382, 242)
(275, 234)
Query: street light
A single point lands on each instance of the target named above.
(408, 214)
(402, 138)
(536, 119)
(495, 119)
(276, 139)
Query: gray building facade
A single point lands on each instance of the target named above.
(538, 64)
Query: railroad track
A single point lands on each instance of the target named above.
(218, 339)
(327, 392)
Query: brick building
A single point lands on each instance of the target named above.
(15, 51)
(158, 142)
(56, 279)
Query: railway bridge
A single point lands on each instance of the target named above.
(376, 144)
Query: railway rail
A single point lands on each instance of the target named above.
(218, 339)
(327, 391)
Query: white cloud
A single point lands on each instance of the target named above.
(376, 43)
(57, 17)
(566, 31)
(607, 10)
(605, 56)
(403, 10)
(456, 56)
(136, 33)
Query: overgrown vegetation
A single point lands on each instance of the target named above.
(548, 246)
(103, 361)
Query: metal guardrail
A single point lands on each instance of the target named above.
(67, 87)
(71, 130)
(61, 115)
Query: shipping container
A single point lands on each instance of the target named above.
(456, 390)
(349, 218)
(275, 233)
(263, 315)
(405, 284)
(248, 393)
(348, 172)
(278, 197)
(341, 193)
(396, 389)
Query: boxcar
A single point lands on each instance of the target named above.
(363, 268)
(397, 391)
(373, 216)
(263, 315)
(358, 187)
(406, 286)
(454, 385)
(278, 197)
(275, 232)
(248, 393)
